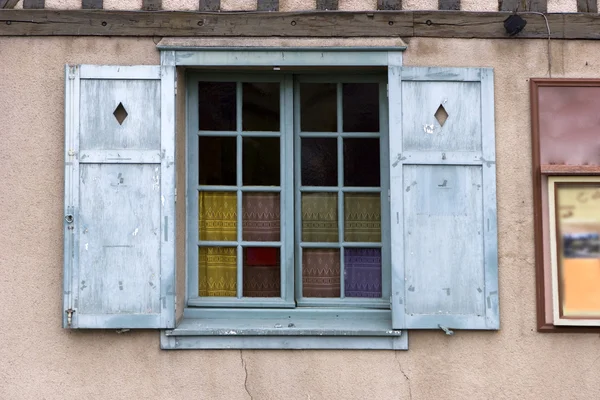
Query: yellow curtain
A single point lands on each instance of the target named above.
(319, 217)
(362, 217)
(217, 216)
(217, 272)
(217, 266)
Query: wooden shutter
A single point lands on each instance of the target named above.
(119, 220)
(443, 198)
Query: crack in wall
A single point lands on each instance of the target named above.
(403, 373)
(246, 374)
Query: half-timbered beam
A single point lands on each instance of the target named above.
(389, 5)
(589, 6)
(327, 4)
(209, 5)
(33, 4)
(449, 5)
(8, 3)
(322, 24)
(92, 4)
(523, 5)
(267, 5)
(151, 5)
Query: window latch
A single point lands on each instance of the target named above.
(446, 330)
(69, 312)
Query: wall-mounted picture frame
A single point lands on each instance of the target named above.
(574, 205)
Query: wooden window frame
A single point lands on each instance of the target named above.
(541, 172)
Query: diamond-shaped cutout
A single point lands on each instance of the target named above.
(120, 113)
(441, 115)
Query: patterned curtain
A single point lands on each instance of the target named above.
(319, 217)
(362, 272)
(217, 216)
(217, 266)
(262, 272)
(261, 217)
(362, 217)
(217, 271)
(321, 273)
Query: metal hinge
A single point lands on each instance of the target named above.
(387, 89)
(72, 73)
(69, 312)
(446, 330)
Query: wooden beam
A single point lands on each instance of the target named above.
(267, 5)
(33, 4)
(327, 4)
(151, 5)
(590, 6)
(449, 5)
(209, 5)
(389, 5)
(523, 5)
(92, 4)
(8, 3)
(330, 24)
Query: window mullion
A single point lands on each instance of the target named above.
(340, 168)
(239, 175)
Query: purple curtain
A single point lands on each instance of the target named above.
(362, 272)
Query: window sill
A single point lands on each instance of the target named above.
(287, 332)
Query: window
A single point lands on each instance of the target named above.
(566, 192)
(287, 188)
(334, 202)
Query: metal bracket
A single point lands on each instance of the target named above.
(446, 330)
(69, 312)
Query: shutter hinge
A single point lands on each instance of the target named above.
(446, 330)
(72, 73)
(175, 90)
(387, 89)
(175, 197)
(69, 312)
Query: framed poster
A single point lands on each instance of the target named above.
(574, 205)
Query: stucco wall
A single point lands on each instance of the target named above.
(38, 359)
(300, 5)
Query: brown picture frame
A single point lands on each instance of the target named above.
(540, 172)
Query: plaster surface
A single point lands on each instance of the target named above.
(63, 4)
(181, 5)
(41, 360)
(297, 5)
(238, 5)
(562, 6)
(479, 5)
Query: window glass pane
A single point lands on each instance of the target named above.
(261, 217)
(361, 107)
(261, 161)
(217, 216)
(578, 241)
(362, 217)
(321, 273)
(319, 162)
(262, 272)
(260, 107)
(318, 107)
(319, 217)
(362, 273)
(217, 106)
(361, 162)
(217, 160)
(217, 271)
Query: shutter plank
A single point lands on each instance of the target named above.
(443, 199)
(449, 4)
(119, 250)
(389, 5)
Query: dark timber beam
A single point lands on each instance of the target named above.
(209, 5)
(327, 5)
(322, 24)
(8, 3)
(389, 5)
(267, 5)
(33, 4)
(587, 6)
(449, 5)
(92, 4)
(151, 5)
(523, 5)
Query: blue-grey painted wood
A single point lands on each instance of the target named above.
(444, 238)
(119, 250)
